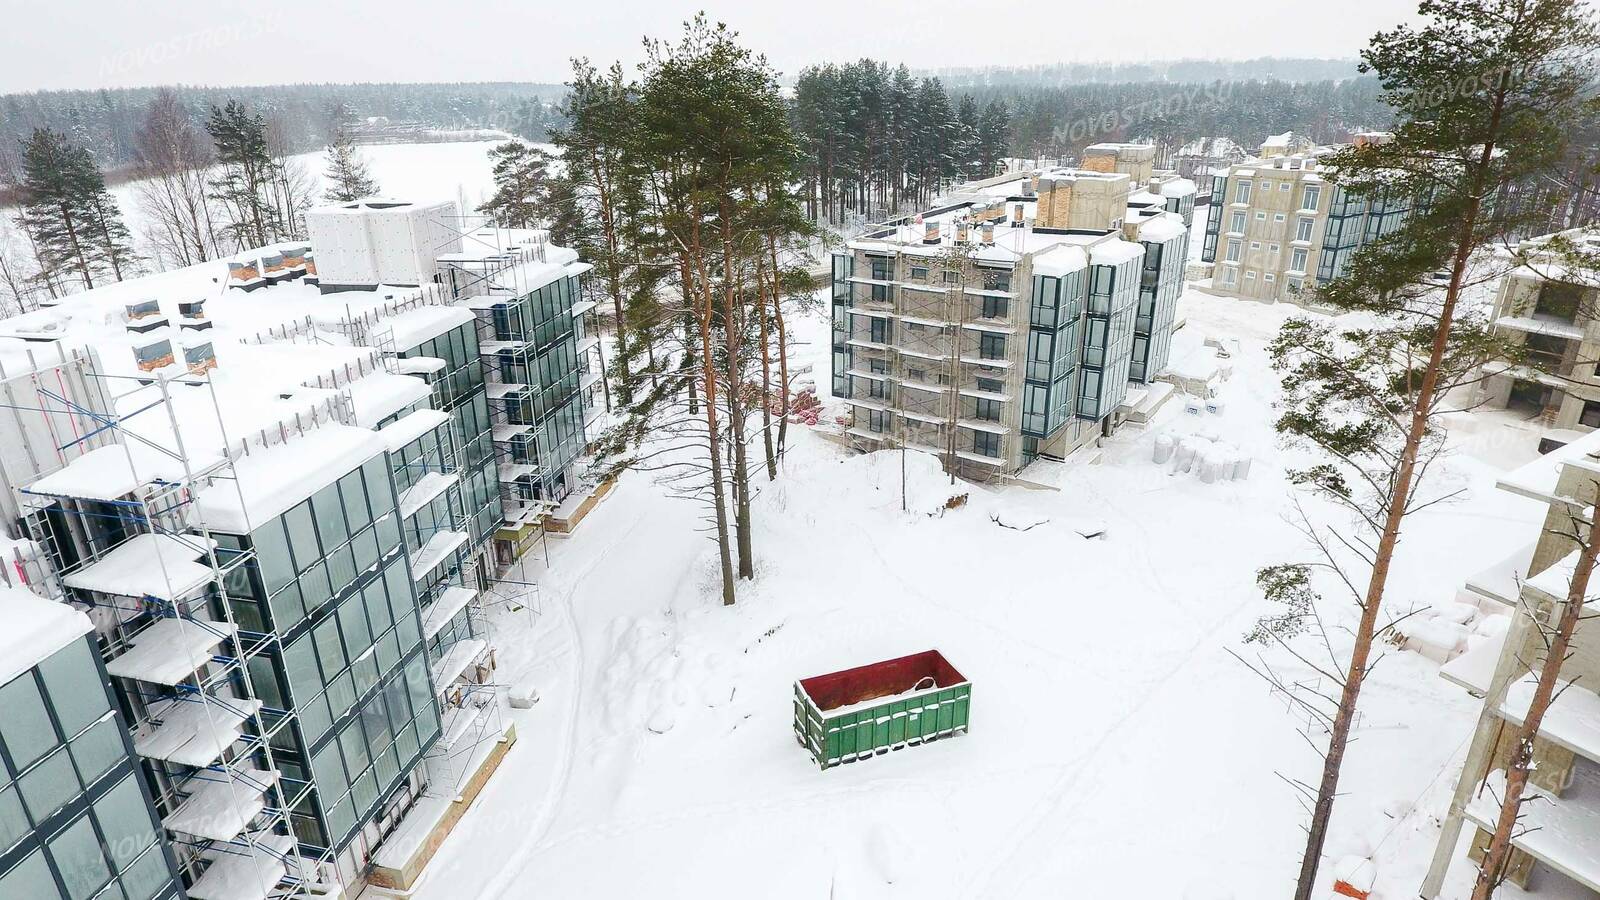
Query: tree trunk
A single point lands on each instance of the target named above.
(1492, 870)
(1399, 495)
(614, 278)
(783, 350)
(708, 380)
(733, 332)
(766, 368)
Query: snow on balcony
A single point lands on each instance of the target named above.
(163, 566)
(221, 808)
(1474, 669)
(1540, 325)
(419, 365)
(169, 651)
(504, 433)
(452, 601)
(425, 491)
(382, 394)
(1502, 582)
(272, 480)
(400, 433)
(1538, 479)
(1572, 720)
(455, 661)
(245, 874)
(191, 732)
(435, 551)
(105, 473)
(1560, 831)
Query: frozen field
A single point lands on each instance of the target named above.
(1117, 750)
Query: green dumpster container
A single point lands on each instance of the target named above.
(862, 712)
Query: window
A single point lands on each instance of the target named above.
(1271, 277)
(1250, 275)
(919, 273)
(882, 268)
(879, 331)
(78, 858)
(1297, 259)
(75, 690)
(988, 410)
(1283, 186)
(1266, 185)
(1292, 285)
(985, 444)
(1230, 277)
(1261, 217)
(876, 366)
(1272, 248)
(1241, 192)
(916, 374)
(1236, 222)
(991, 346)
(1311, 197)
(1235, 250)
(1590, 417)
(25, 725)
(990, 385)
(1277, 217)
(1255, 245)
(951, 276)
(995, 307)
(877, 420)
(1302, 228)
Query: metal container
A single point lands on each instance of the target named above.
(869, 710)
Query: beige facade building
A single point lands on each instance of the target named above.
(1551, 311)
(1278, 227)
(1554, 843)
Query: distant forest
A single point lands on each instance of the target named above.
(1182, 70)
(105, 122)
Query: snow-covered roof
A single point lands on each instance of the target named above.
(400, 433)
(1111, 253)
(1178, 187)
(32, 629)
(423, 323)
(273, 479)
(1538, 479)
(1162, 228)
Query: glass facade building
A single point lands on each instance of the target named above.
(1054, 337)
(1108, 337)
(75, 818)
(1160, 285)
(332, 581)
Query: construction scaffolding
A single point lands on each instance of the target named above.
(116, 530)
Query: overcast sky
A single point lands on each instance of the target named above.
(50, 44)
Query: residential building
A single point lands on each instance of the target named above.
(1550, 310)
(1277, 226)
(280, 517)
(75, 817)
(1008, 323)
(1559, 821)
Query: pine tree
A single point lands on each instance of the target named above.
(347, 174)
(522, 186)
(243, 187)
(1488, 94)
(72, 219)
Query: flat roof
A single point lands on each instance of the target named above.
(32, 629)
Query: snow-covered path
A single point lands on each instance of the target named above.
(1117, 748)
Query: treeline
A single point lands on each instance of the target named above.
(1170, 71)
(878, 140)
(106, 122)
(1061, 121)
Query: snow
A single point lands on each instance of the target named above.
(452, 601)
(241, 873)
(1110, 703)
(190, 732)
(425, 323)
(1538, 479)
(1111, 253)
(219, 808)
(1474, 669)
(1551, 327)
(1559, 831)
(455, 662)
(104, 473)
(32, 629)
(1572, 719)
(1178, 187)
(424, 491)
(381, 394)
(163, 566)
(169, 651)
(274, 479)
(400, 433)
(435, 551)
(1502, 582)
(1161, 228)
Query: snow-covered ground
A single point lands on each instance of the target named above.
(1117, 748)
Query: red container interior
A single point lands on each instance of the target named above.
(881, 679)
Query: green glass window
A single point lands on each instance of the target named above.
(147, 875)
(78, 857)
(98, 749)
(31, 879)
(329, 512)
(300, 661)
(272, 555)
(24, 723)
(125, 821)
(74, 686)
(13, 821)
(302, 535)
(49, 784)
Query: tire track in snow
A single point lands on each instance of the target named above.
(511, 872)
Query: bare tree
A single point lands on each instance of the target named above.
(174, 159)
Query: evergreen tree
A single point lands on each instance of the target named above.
(73, 221)
(521, 186)
(243, 186)
(347, 173)
(1488, 94)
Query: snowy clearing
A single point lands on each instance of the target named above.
(1110, 725)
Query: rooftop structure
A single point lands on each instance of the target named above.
(975, 331)
(275, 503)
